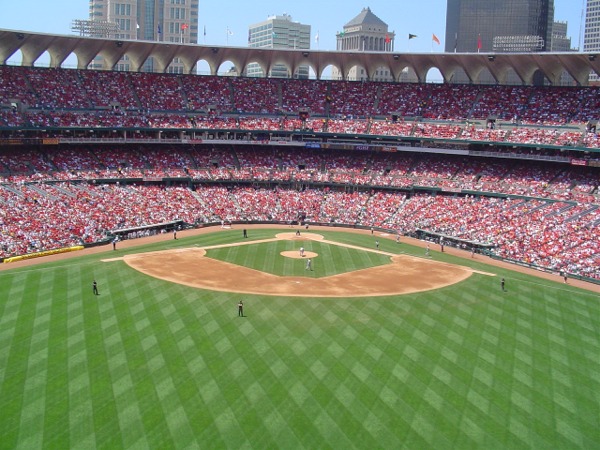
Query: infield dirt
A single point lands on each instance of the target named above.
(404, 274)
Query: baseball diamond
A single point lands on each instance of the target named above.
(404, 274)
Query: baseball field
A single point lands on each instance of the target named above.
(371, 345)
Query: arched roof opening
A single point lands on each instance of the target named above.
(42, 60)
(434, 75)
(108, 52)
(227, 68)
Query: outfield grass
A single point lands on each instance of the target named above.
(149, 363)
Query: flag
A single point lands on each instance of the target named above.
(388, 39)
(204, 30)
(184, 26)
(229, 32)
(478, 42)
(137, 25)
(317, 37)
(411, 36)
(435, 39)
(159, 30)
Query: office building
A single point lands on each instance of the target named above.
(365, 33)
(279, 32)
(491, 26)
(499, 26)
(560, 41)
(591, 33)
(150, 20)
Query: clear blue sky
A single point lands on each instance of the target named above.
(422, 18)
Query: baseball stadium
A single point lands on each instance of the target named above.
(208, 261)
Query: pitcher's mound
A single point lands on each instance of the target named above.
(296, 254)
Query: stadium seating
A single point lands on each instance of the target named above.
(541, 213)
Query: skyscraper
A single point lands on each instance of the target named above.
(560, 41)
(278, 32)
(150, 20)
(591, 33)
(499, 26)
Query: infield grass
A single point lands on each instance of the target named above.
(152, 364)
(332, 259)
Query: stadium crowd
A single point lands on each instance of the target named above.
(66, 196)
(71, 98)
(502, 196)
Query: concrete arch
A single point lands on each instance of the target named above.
(509, 76)
(434, 75)
(41, 59)
(526, 65)
(330, 67)
(13, 57)
(334, 67)
(202, 66)
(484, 76)
(458, 73)
(232, 70)
(381, 73)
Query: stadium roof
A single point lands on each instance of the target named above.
(500, 65)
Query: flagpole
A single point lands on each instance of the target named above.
(410, 36)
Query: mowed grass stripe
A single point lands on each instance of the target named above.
(117, 326)
(145, 362)
(14, 373)
(34, 398)
(104, 409)
(179, 390)
(57, 385)
(79, 419)
(12, 291)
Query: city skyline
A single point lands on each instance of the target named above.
(423, 19)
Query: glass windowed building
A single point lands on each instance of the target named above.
(591, 33)
(150, 20)
(513, 25)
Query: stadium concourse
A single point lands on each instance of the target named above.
(88, 156)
